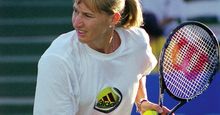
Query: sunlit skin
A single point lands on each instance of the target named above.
(93, 28)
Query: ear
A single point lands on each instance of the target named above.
(116, 18)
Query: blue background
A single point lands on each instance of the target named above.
(207, 103)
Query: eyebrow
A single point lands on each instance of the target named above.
(84, 12)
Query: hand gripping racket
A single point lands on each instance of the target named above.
(188, 62)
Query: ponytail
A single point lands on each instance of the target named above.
(132, 14)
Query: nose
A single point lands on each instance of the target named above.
(77, 21)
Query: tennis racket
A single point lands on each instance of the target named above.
(188, 62)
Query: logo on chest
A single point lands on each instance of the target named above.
(108, 99)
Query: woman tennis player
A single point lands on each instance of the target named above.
(98, 68)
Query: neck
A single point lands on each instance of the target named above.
(108, 45)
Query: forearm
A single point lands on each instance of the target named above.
(142, 93)
(142, 102)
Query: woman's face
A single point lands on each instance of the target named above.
(92, 27)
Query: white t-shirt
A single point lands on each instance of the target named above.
(71, 75)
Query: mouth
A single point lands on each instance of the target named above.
(80, 33)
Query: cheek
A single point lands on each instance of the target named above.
(102, 27)
(73, 20)
(96, 28)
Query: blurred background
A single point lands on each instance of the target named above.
(27, 27)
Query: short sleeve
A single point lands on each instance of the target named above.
(152, 61)
(53, 90)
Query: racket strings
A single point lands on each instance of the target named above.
(187, 72)
(185, 90)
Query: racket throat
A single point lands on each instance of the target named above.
(161, 100)
(177, 107)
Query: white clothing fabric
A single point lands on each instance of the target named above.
(70, 74)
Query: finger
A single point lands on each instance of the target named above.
(157, 108)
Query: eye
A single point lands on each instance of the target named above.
(89, 15)
(75, 11)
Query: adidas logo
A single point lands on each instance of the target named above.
(108, 99)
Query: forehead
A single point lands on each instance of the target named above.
(87, 4)
(82, 7)
(85, 8)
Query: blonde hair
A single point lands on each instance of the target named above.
(131, 13)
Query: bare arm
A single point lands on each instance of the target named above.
(142, 102)
(141, 94)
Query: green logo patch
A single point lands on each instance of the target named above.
(108, 99)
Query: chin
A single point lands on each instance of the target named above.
(82, 40)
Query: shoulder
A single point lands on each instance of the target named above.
(62, 45)
(135, 34)
(140, 32)
(64, 49)
(62, 55)
(63, 39)
(133, 30)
